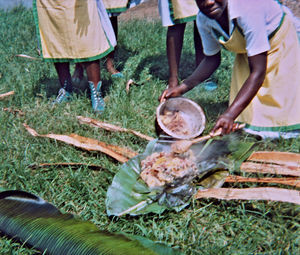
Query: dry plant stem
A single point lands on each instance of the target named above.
(129, 83)
(6, 94)
(88, 144)
(292, 181)
(27, 56)
(273, 162)
(276, 157)
(266, 193)
(140, 205)
(66, 164)
(14, 111)
(252, 167)
(111, 127)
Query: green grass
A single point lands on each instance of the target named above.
(206, 227)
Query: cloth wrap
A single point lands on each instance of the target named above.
(73, 30)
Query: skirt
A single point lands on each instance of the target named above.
(177, 11)
(72, 30)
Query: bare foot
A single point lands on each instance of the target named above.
(110, 66)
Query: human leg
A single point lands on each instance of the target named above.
(175, 35)
(110, 66)
(94, 80)
(78, 73)
(64, 76)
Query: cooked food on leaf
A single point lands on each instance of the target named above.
(175, 122)
(161, 168)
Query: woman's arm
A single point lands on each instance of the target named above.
(258, 66)
(204, 70)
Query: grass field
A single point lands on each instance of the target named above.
(207, 226)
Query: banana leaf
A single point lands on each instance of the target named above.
(129, 194)
(29, 219)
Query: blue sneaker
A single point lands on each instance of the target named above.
(63, 96)
(97, 100)
(210, 86)
(117, 75)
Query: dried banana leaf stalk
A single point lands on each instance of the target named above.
(111, 127)
(118, 153)
(268, 168)
(266, 193)
(273, 162)
(276, 157)
(286, 181)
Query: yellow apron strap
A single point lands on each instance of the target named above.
(236, 43)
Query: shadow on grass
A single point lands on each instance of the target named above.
(212, 110)
(51, 87)
(159, 68)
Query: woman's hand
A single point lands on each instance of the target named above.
(173, 92)
(225, 122)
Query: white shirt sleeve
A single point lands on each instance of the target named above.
(255, 32)
(210, 43)
(257, 19)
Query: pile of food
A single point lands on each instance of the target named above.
(161, 168)
(175, 122)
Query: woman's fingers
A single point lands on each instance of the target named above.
(163, 96)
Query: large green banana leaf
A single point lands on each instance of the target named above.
(128, 194)
(39, 224)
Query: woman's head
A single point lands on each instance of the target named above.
(212, 8)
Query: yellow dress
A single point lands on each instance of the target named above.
(72, 30)
(275, 109)
(116, 5)
(183, 10)
(177, 11)
(119, 6)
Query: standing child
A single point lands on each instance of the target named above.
(74, 31)
(265, 82)
(174, 15)
(114, 8)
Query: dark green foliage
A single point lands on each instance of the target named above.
(39, 224)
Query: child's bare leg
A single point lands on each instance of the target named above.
(175, 35)
(110, 66)
(93, 74)
(65, 80)
(93, 71)
(78, 72)
(64, 76)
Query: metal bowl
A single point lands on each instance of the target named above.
(190, 112)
